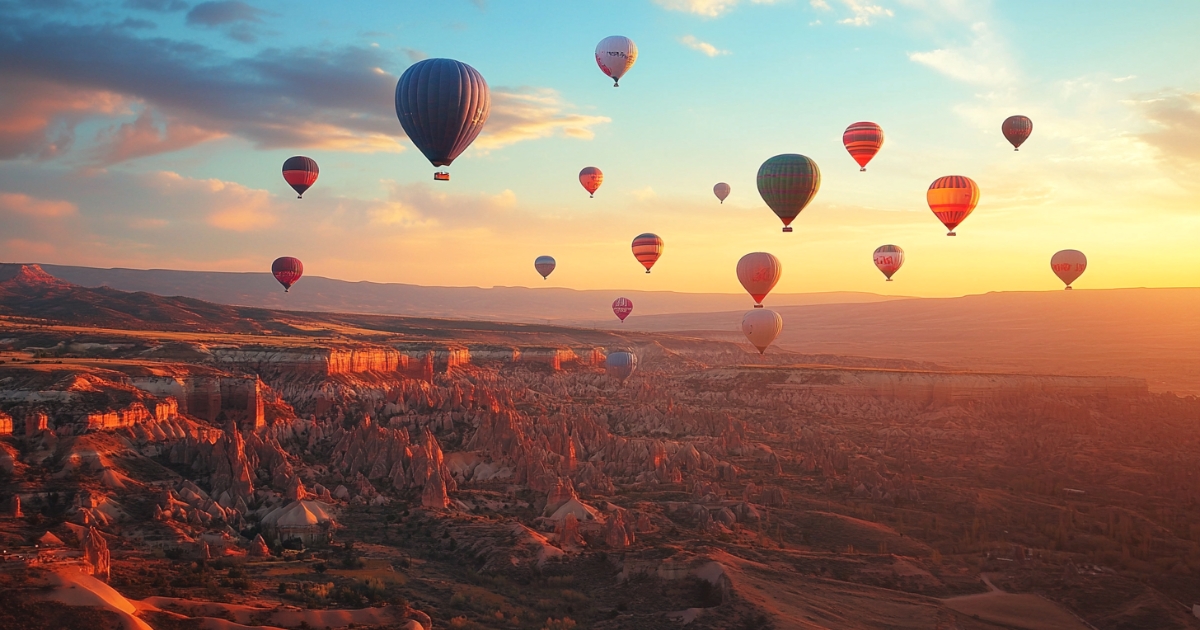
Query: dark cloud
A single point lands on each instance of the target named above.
(1177, 118)
(223, 13)
(335, 98)
(137, 24)
(164, 6)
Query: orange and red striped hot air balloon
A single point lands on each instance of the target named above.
(591, 178)
(300, 173)
(863, 140)
(1016, 130)
(952, 198)
(759, 272)
(647, 248)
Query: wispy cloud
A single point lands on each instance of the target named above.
(864, 13)
(706, 8)
(983, 61)
(1175, 118)
(34, 207)
(695, 44)
(528, 113)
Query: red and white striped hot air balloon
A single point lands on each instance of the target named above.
(759, 272)
(591, 178)
(889, 258)
(1068, 265)
(761, 328)
(622, 307)
(952, 199)
(647, 248)
(863, 140)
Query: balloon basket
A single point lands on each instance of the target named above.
(951, 234)
(862, 170)
(787, 228)
(647, 271)
(758, 306)
(441, 176)
(299, 196)
(1068, 288)
(889, 279)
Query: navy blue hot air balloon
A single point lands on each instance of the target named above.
(621, 364)
(442, 104)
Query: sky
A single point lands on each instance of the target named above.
(150, 134)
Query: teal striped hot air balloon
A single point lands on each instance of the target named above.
(787, 183)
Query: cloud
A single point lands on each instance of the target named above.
(864, 13)
(57, 75)
(147, 136)
(706, 8)
(984, 61)
(223, 13)
(704, 47)
(1176, 121)
(528, 113)
(33, 207)
(157, 5)
(820, 4)
(232, 206)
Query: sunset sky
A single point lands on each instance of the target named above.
(150, 134)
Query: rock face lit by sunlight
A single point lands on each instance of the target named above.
(318, 316)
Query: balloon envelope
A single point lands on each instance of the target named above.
(300, 173)
(761, 327)
(1068, 265)
(616, 55)
(863, 140)
(1017, 130)
(721, 190)
(787, 183)
(759, 272)
(952, 198)
(621, 364)
(544, 265)
(622, 307)
(889, 258)
(442, 105)
(591, 178)
(287, 271)
(647, 248)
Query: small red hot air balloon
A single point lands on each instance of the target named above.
(287, 271)
(647, 248)
(721, 190)
(622, 307)
(759, 272)
(1068, 265)
(544, 265)
(889, 258)
(863, 140)
(591, 178)
(1017, 130)
(952, 198)
(300, 173)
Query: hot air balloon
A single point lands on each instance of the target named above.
(647, 248)
(622, 307)
(620, 364)
(952, 198)
(863, 140)
(1016, 130)
(287, 271)
(442, 105)
(761, 328)
(721, 190)
(300, 173)
(591, 178)
(758, 273)
(1068, 265)
(889, 258)
(615, 55)
(787, 183)
(544, 265)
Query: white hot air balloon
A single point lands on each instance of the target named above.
(615, 55)
(761, 327)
